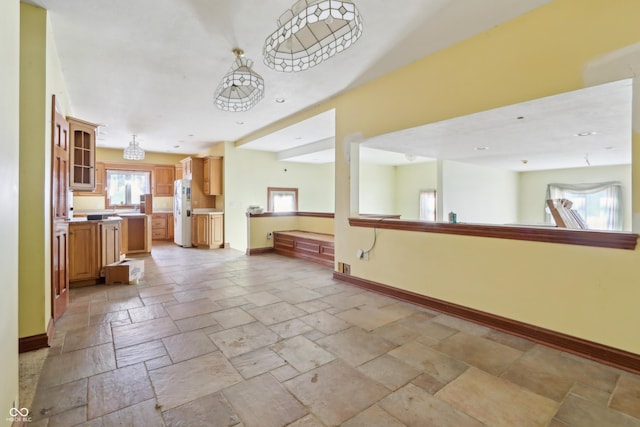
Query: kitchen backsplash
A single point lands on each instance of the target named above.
(87, 203)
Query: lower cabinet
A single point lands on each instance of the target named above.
(92, 245)
(207, 230)
(136, 233)
(83, 251)
(109, 243)
(162, 226)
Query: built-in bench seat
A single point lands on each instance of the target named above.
(315, 247)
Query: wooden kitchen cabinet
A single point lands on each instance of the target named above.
(178, 174)
(207, 230)
(82, 155)
(212, 180)
(163, 177)
(193, 169)
(136, 234)
(100, 180)
(162, 226)
(170, 226)
(109, 243)
(92, 246)
(83, 251)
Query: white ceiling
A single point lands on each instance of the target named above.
(587, 127)
(150, 67)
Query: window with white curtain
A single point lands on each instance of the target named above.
(428, 205)
(599, 204)
(282, 199)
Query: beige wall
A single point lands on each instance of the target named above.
(479, 194)
(260, 226)
(9, 157)
(410, 180)
(247, 175)
(560, 287)
(378, 189)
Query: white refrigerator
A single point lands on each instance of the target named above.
(182, 212)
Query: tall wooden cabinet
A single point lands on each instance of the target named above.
(212, 183)
(193, 169)
(82, 155)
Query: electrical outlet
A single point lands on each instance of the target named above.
(269, 235)
(359, 253)
(346, 268)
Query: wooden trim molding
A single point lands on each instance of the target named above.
(33, 342)
(258, 251)
(36, 342)
(603, 239)
(601, 353)
(310, 214)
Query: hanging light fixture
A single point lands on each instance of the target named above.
(133, 151)
(310, 32)
(241, 88)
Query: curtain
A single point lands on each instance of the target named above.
(599, 204)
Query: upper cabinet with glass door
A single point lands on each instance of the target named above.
(82, 155)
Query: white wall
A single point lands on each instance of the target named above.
(377, 189)
(9, 147)
(410, 180)
(533, 186)
(248, 173)
(479, 194)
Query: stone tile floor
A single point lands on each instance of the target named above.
(217, 338)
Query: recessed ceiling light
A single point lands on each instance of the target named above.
(190, 134)
(585, 134)
(298, 137)
(481, 148)
(608, 147)
(176, 146)
(239, 122)
(520, 117)
(280, 100)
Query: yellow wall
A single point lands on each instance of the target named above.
(260, 226)
(248, 173)
(9, 153)
(115, 155)
(34, 201)
(40, 77)
(586, 292)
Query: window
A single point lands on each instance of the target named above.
(282, 199)
(428, 205)
(599, 205)
(124, 187)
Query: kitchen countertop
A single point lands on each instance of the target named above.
(206, 211)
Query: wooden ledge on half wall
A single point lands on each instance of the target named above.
(293, 213)
(602, 239)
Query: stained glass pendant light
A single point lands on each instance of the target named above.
(241, 88)
(133, 151)
(311, 32)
